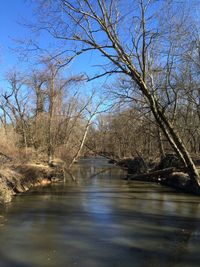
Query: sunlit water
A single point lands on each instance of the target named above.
(101, 221)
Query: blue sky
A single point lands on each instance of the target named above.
(11, 13)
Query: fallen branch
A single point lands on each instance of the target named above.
(100, 172)
(151, 176)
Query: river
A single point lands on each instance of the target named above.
(101, 220)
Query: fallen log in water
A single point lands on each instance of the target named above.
(178, 180)
(151, 176)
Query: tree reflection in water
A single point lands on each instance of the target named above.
(101, 220)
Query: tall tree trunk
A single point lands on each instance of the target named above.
(170, 133)
(49, 130)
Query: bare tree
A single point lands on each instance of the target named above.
(50, 89)
(15, 106)
(125, 39)
(91, 111)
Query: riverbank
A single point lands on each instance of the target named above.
(169, 177)
(20, 178)
(15, 179)
(168, 171)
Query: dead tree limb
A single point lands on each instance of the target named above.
(152, 176)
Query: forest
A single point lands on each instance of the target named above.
(148, 104)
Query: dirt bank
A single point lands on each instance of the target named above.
(20, 178)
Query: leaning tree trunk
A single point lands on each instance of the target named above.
(81, 145)
(171, 135)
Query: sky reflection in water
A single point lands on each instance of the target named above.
(101, 221)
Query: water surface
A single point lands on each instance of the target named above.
(101, 221)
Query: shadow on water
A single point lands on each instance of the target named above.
(101, 221)
(7, 262)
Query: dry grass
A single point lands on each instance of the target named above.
(5, 193)
(33, 171)
(8, 181)
(8, 151)
(21, 177)
(20, 169)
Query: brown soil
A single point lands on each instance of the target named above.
(20, 178)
